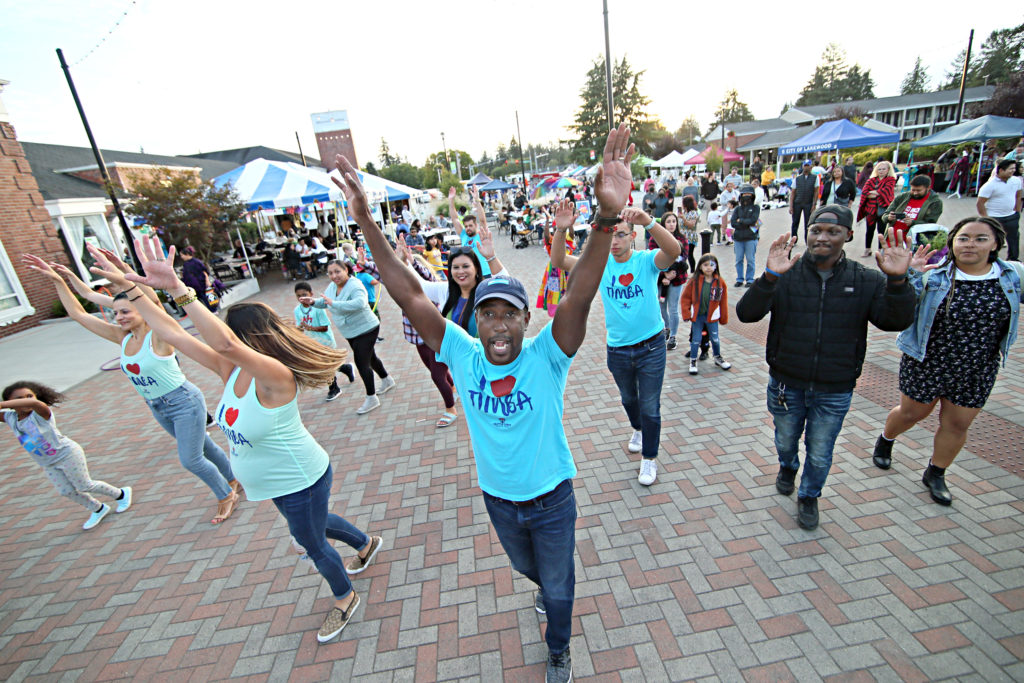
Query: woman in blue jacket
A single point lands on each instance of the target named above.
(965, 322)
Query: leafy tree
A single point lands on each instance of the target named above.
(403, 172)
(713, 159)
(731, 109)
(854, 114)
(1000, 57)
(186, 209)
(1007, 100)
(916, 81)
(385, 155)
(688, 133)
(457, 156)
(834, 81)
(590, 125)
(371, 169)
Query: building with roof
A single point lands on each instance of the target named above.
(243, 155)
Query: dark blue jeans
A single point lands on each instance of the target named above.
(639, 372)
(1011, 224)
(311, 525)
(697, 327)
(816, 415)
(540, 540)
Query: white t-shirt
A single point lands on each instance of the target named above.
(1001, 196)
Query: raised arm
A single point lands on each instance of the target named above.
(83, 290)
(33, 404)
(486, 247)
(565, 217)
(669, 247)
(453, 214)
(402, 284)
(611, 187)
(74, 309)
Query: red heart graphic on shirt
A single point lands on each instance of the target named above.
(230, 415)
(626, 279)
(503, 387)
(133, 368)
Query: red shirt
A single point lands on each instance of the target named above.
(913, 208)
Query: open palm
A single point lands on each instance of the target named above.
(614, 179)
(355, 195)
(565, 214)
(159, 270)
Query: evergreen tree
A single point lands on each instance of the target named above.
(385, 155)
(1000, 57)
(590, 125)
(916, 81)
(688, 133)
(834, 81)
(857, 85)
(730, 110)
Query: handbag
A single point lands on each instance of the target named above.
(212, 298)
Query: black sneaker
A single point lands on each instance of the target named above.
(882, 457)
(784, 482)
(671, 343)
(559, 667)
(686, 355)
(538, 603)
(210, 424)
(334, 392)
(807, 513)
(703, 355)
(346, 370)
(935, 479)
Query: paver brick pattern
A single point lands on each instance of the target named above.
(704, 575)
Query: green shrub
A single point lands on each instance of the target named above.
(57, 308)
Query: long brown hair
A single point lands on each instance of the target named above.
(260, 328)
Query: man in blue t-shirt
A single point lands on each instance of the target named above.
(632, 316)
(466, 226)
(512, 390)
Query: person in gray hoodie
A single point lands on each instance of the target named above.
(745, 227)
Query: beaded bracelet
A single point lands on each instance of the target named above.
(185, 299)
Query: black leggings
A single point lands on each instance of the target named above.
(872, 228)
(438, 373)
(366, 360)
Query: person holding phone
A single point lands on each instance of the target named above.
(919, 206)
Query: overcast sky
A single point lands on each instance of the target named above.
(187, 76)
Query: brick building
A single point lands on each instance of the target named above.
(333, 136)
(25, 227)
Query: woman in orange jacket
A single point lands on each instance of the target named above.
(705, 304)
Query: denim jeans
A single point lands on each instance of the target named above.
(540, 541)
(696, 328)
(310, 524)
(639, 372)
(1011, 224)
(819, 416)
(670, 309)
(182, 413)
(745, 250)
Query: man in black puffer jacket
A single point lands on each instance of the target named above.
(744, 234)
(820, 305)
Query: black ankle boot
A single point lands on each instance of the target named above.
(935, 479)
(784, 482)
(882, 456)
(807, 513)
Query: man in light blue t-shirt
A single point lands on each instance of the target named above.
(512, 391)
(466, 227)
(632, 316)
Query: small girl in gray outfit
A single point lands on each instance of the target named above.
(26, 409)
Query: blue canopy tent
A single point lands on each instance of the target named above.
(980, 130)
(839, 134)
(497, 184)
(480, 178)
(263, 184)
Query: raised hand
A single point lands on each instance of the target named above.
(159, 270)
(780, 256)
(355, 195)
(105, 268)
(486, 244)
(565, 214)
(894, 257)
(402, 250)
(614, 179)
(40, 266)
(451, 192)
(635, 216)
(919, 261)
(361, 255)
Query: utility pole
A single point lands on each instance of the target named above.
(522, 165)
(299, 143)
(963, 77)
(102, 166)
(447, 161)
(608, 70)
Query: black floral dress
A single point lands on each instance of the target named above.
(962, 356)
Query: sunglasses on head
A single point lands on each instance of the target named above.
(461, 250)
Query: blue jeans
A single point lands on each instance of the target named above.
(639, 372)
(819, 416)
(696, 328)
(745, 250)
(670, 309)
(540, 541)
(182, 413)
(1011, 224)
(310, 524)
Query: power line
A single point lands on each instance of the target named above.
(109, 33)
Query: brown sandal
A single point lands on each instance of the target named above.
(225, 508)
(236, 486)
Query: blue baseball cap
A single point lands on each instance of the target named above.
(501, 287)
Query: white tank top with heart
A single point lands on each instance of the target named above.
(150, 374)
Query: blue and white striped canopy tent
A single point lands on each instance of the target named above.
(378, 188)
(264, 184)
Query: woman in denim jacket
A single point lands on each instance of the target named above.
(966, 318)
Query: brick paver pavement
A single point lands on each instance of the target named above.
(704, 575)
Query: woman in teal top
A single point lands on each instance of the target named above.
(148, 362)
(263, 363)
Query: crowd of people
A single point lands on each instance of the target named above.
(467, 316)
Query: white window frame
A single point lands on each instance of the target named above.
(24, 307)
(68, 208)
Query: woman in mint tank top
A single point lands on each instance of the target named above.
(149, 364)
(263, 363)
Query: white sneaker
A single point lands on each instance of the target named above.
(95, 517)
(722, 363)
(126, 500)
(387, 385)
(371, 403)
(693, 366)
(636, 442)
(648, 471)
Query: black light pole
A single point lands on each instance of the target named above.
(103, 167)
(963, 77)
(522, 166)
(608, 70)
(445, 148)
